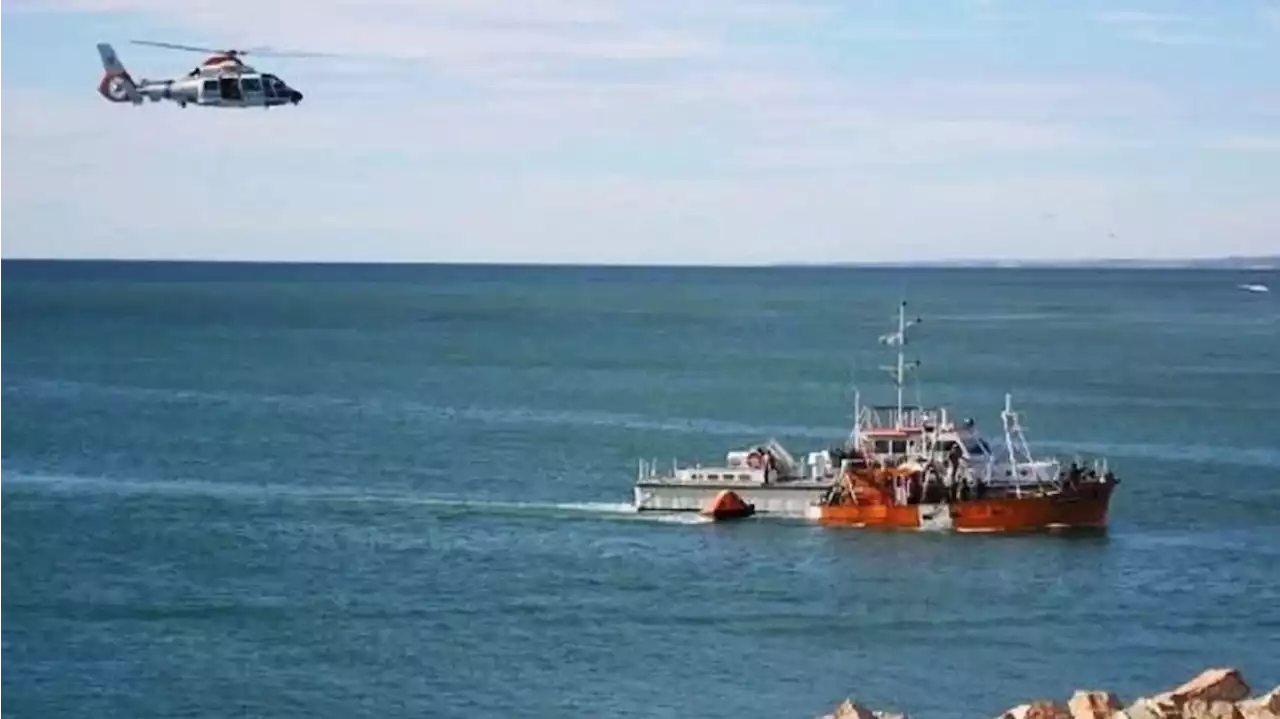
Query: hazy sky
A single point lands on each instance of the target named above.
(681, 131)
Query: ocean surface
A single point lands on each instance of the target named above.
(401, 491)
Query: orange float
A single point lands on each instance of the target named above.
(728, 505)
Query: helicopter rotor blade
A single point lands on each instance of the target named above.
(175, 46)
(260, 51)
(268, 51)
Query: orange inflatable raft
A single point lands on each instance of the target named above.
(728, 505)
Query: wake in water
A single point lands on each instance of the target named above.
(629, 512)
(229, 490)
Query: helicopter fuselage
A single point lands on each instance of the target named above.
(220, 82)
(227, 89)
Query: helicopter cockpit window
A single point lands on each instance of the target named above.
(250, 85)
(274, 86)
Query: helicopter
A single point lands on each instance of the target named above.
(221, 80)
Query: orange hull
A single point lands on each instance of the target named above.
(1085, 508)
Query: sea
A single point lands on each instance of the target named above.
(290, 490)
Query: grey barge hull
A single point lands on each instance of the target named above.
(790, 498)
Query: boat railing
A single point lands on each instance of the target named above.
(648, 470)
(911, 416)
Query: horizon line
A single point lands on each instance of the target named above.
(1210, 262)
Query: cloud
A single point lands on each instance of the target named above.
(1248, 143)
(922, 143)
(454, 35)
(1161, 28)
(489, 77)
(1270, 14)
(629, 220)
(625, 130)
(1139, 17)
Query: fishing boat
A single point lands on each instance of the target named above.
(918, 470)
(946, 487)
(767, 476)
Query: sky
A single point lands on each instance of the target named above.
(653, 131)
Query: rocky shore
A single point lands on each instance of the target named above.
(1219, 693)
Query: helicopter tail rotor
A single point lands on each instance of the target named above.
(116, 84)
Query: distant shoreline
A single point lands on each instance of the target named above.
(1226, 263)
(1253, 263)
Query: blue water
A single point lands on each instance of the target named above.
(395, 491)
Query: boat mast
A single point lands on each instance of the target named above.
(899, 372)
(855, 435)
(900, 377)
(1014, 438)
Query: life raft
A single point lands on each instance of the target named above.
(728, 505)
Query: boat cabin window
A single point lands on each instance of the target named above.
(894, 446)
(210, 89)
(977, 447)
(251, 85)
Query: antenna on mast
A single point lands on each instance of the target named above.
(855, 434)
(899, 372)
(857, 405)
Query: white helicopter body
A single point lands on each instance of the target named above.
(222, 80)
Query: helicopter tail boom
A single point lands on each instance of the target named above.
(116, 84)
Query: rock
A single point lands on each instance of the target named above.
(1150, 708)
(1037, 710)
(849, 709)
(1092, 705)
(1217, 709)
(1018, 712)
(1047, 710)
(1220, 684)
(1217, 693)
(1266, 706)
